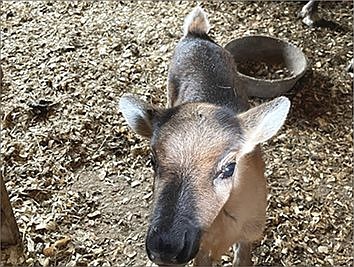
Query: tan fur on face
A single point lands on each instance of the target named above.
(243, 216)
(192, 143)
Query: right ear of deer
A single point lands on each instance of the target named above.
(263, 122)
(137, 113)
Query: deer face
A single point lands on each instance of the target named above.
(196, 148)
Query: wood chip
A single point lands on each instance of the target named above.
(94, 214)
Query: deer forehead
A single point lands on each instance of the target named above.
(196, 133)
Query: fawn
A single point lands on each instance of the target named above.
(209, 189)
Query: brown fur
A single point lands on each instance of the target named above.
(205, 128)
(244, 218)
(247, 201)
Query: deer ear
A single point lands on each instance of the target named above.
(262, 122)
(137, 113)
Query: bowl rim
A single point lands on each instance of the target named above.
(294, 77)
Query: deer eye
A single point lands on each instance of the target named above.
(227, 171)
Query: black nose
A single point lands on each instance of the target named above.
(172, 246)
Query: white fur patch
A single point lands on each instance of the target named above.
(196, 21)
(134, 112)
(274, 119)
(268, 124)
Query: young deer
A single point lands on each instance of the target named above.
(209, 190)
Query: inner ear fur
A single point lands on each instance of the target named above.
(262, 122)
(138, 114)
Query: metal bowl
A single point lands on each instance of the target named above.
(270, 50)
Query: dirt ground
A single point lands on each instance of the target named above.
(80, 181)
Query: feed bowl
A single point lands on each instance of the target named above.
(267, 66)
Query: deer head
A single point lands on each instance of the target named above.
(196, 149)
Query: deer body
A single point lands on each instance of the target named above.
(203, 71)
(210, 190)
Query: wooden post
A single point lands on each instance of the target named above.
(10, 234)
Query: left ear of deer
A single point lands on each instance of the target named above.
(262, 122)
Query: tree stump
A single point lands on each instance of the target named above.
(10, 234)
